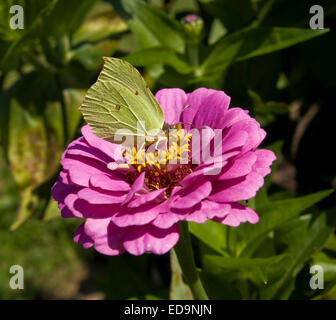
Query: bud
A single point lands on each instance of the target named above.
(193, 27)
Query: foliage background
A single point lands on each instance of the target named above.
(260, 52)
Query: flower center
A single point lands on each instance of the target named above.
(165, 162)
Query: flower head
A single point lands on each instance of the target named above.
(193, 25)
(132, 198)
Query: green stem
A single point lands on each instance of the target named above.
(193, 54)
(186, 260)
(64, 110)
(65, 48)
(263, 12)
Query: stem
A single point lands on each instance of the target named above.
(193, 54)
(263, 13)
(186, 260)
(65, 48)
(64, 110)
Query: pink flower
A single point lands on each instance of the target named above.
(137, 209)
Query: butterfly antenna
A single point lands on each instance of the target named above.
(185, 108)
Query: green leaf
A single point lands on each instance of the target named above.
(212, 234)
(303, 237)
(158, 55)
(72, 100)
(216, 285)
(35, 136)
(330, 295)
(252, 42)
(233, 13)
(172, 78)
(67, 16)
(51, 211)
(90, 55)
(102, 23)
(27, 155)
(261, 271)
(27, 150)
(28, 203)
(245, 240)
(38, 15)
(273, 215)
(7, 34)
(328, 265)
(219, 288)
(132, 282)
(150, 24)
(266, 112)
(179, 290)
(46, 247)
(331, 243)
(177, 7)
(44, 19)
(55, 137)
(217, 31)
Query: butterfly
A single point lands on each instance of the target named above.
(120, 103)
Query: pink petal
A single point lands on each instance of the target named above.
(138, 185)
(207, 108)
(230, 220)
(106, 236)
(234, 115)
(239, 167)
(234, 139)
(191, 178)
(60, 191)
(237, 215)
(80, 147)
(69, 202)
(215, 209)
(264, 161)
(197, 215)
(81, 169)
(148, 197)
(207, 170)
(139, 240)
(200, 143)
(137, 216)
(167, 219)
(109, 182)
(172, 102)
(96, 211)
(110, 149)
(81, 237)
(192, 196)
(254, 133)
(208, 210)
(64, 176)
(237, 189)
(95, 197)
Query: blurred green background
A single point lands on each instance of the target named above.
(260, 52)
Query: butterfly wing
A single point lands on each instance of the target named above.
(121, 102)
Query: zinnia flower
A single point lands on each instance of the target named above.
(137, 207)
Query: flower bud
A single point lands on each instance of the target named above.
(193, 27)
